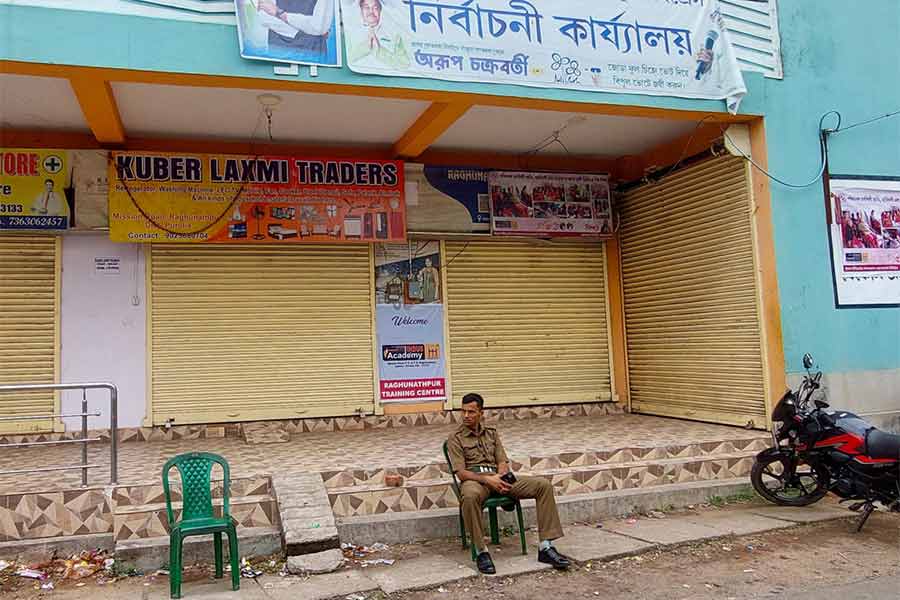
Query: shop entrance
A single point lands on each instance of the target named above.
(691, 297)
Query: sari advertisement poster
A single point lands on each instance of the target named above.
(409, 322)
(550, 204)
(865, 240)
(234, 199)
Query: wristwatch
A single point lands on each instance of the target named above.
(279, 14)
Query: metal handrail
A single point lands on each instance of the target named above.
(84, 414)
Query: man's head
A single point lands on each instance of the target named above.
(48, 185)
(428, 262)
(371, 12)
(472, 407)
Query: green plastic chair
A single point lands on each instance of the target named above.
(197, 516)
(493, 502)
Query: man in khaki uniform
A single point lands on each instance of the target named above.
(479, 461)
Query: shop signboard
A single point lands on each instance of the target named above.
(864, 231)
(293, 31)
(409, 318)
(35, 190)
(162, 197)
(550, 204)
(448, 199)
(664, 48)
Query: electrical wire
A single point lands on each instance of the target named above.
(234, 200)
(823, 154)
(455, 256)
(840, 129)
(687, 146)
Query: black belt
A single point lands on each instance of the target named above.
(483, 469)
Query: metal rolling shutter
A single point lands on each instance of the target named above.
(29, 335)
(689, 280)
(243, 333)
(528, 322)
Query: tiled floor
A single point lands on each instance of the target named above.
(140, 462)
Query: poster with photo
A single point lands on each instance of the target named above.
(409, 319)
(550, 204)
(650, 47)
(865, 240)
(306, 32)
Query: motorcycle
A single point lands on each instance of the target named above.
(816, 451)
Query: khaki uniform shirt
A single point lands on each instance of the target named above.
(468, 448)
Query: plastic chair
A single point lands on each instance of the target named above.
(493, 502)
(197, 517)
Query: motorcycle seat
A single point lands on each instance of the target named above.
(880, 444)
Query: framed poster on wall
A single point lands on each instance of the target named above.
(550, 204)
(409, 322)
(306, 32)
(864, 235)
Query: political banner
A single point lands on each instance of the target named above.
(865, 240)
(270, 199)
(409, 319)
(550, 204)
(656, 47)
(305, 32)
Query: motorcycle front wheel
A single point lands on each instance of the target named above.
(773, 480)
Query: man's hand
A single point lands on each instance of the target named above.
(374, 42)
(268, 6)
(496, 485)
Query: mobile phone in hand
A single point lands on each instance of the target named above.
(508, 477)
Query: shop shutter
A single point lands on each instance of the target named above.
(242, 333)
(691, 317)
(29, 335)
(528, 322)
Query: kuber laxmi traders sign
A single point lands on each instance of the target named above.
(658, 47)
(208, 198)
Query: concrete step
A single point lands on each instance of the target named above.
(438, 469)
(266, 432)
(305, 514)
(435, 494)
(150, 520)
(149, 554)
(421, 525)
(139, 511)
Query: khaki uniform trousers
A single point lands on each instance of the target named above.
(474, 494)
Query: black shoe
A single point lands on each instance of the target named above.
(485, 564)
(554, 558)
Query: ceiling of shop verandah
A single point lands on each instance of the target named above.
(308, 119)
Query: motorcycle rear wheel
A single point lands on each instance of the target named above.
(771, 480)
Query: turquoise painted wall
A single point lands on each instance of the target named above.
(841, 56)
(73, 37)
(838, 55)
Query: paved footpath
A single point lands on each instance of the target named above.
(616, 539)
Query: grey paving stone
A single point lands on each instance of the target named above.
(315, 563)
(585, 544)
(318, 587)
(419, 573)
